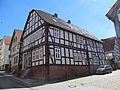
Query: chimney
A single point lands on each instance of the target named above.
(55, 15)
(69, 22)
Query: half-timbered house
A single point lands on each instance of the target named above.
(14, 50)
(52, 49)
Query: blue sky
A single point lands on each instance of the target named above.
(87, 14)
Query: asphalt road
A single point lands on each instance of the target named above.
(95, 82)
(7, 83)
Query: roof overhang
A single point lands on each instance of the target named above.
(112, 11)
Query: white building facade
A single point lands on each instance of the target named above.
(5, 53)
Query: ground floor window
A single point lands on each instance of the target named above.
(41, 53)
(33, 55)
(37, 54)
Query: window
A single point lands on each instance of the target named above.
(75, 57)
(33, 55)
(37, 54)
(15, 40)
(41, 53)
(78, 40)
(36, 18)
(56, 32)
(15, 59)
(79, 56)
(15, 48)
(29, 59)
(18, 46)
(57, 53)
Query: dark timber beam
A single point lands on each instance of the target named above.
(46, 53)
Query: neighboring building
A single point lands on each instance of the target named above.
(114, 16)
(5, 53)
(14, 50)
(0, 52)
(53, 49)
(112, 51)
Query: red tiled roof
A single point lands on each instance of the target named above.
(7, 40)
(109, 43)
(18, 33)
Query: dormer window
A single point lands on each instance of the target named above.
(56, 32)
(54, 20)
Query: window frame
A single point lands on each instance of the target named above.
(57, 53)
(56, 33)
(40, 53)
(37, 54)
(33, 55)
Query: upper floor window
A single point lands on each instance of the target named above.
(80, 40)
(41, 53)
(29, 59)
(75, 57)
(79, 56)
(57, 53)
(37, 54)
(33, 55)
(15, 40)
(56, 32)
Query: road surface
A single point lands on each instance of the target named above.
(7, 83)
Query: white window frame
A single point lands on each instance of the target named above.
(29, 59)
(56, 32)
(33, 55)
(41, 53)
(75, 56)
(37, 54)
(57, 53)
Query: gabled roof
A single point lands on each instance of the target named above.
(109, 44)
(63, 24)
(7, 40)
(114, 8)
(18, 34)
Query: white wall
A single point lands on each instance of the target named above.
(5, 54)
